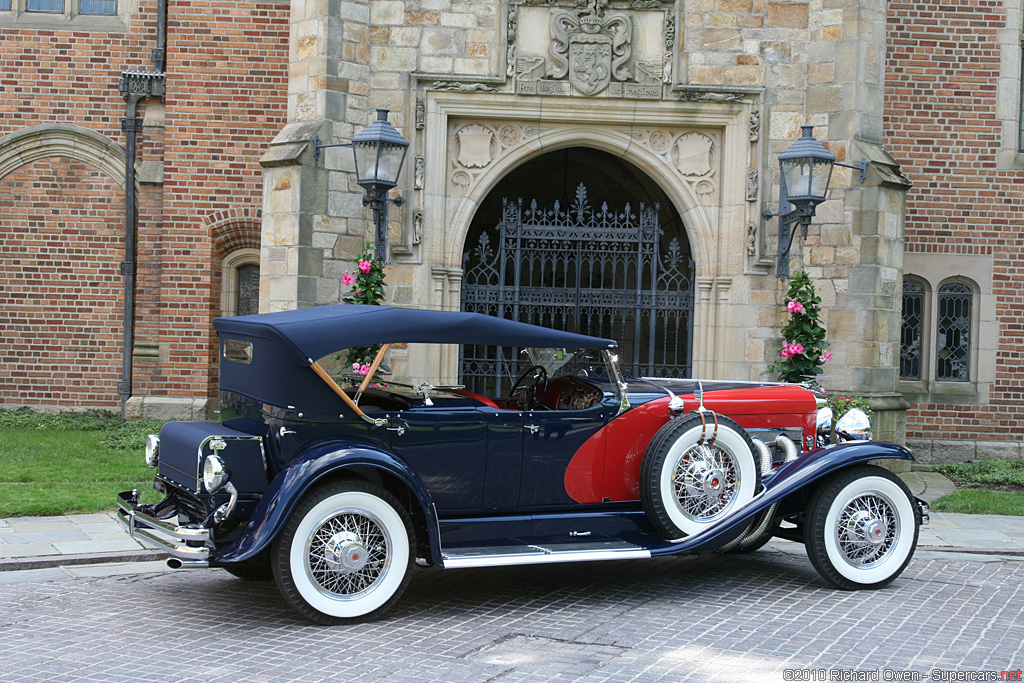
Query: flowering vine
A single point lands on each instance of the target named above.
(803, 348)
(367, 288)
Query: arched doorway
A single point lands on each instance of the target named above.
(580, 240)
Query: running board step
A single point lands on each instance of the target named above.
(498, 556)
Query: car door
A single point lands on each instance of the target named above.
(551, 438)
(446, 446)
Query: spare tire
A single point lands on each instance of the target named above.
(692, 476)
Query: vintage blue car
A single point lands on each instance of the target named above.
(336, 487)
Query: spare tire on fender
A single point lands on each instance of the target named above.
(693, 475)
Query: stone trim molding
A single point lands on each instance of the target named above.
(234, 229)
(1009, 108)
(29, 145)
(937, 451)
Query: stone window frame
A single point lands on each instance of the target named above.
(18, 16)
(1010, 87)
(932, 271)
(229, 277)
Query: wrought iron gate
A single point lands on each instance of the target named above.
(578, 269)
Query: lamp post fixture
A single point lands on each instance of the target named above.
(379, 152)
(806, 170)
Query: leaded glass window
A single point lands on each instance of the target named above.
(248, 296)
(953, 333)
(99, 7)
(54, 6)
(911, 327)
(5, 5)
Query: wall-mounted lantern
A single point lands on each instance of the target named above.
(806, 170)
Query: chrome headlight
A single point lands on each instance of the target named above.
(855, 425)
(215, 473)
(153, 450)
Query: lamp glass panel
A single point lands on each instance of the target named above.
(820, 177)
(365, 154)
(797, 175)
(390, 162)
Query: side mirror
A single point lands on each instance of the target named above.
(855, 425)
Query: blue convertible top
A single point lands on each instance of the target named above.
(283, 345)
(311, 333)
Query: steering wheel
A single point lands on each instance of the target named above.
(529, 388)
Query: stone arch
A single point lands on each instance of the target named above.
(698, 223)
(62, 140)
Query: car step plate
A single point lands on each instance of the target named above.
(497, 556)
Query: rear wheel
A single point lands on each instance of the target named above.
(695, 473)
(861, 528)
(345, 553)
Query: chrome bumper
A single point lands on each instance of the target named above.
(187, 545)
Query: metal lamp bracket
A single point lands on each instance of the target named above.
(861, 166)
(319, 145)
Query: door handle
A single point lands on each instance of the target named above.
(285, 431)
(400, 429)
(533, 429)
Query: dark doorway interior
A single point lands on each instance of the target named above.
(580, 240)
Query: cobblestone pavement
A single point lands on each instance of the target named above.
(714, 618)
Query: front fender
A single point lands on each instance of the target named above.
(311, 467)
(786, 480)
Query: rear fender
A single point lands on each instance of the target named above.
(799, 475)
(310, 468)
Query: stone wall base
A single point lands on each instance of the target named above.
(169, 408)
(938, 451)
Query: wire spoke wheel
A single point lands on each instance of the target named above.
(695, 473)
(345, 554)
(861, 528)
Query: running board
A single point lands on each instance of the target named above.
(498, 556)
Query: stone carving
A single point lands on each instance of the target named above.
(751, 239)
(530, 68)
(512, 25)
(755, 125)
(693, 154)
(421, 113)
(591, 48)
(417, 174)
(708, 96)
(417, 228)
(670, 31)
(458, 86)
(475, 145)
(753, 180)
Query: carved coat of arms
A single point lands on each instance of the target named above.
(592, 46)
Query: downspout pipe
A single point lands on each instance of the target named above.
(134, 86)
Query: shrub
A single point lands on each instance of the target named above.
(803, 349)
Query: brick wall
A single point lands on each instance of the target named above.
(941, 124)
(60, 291)
(197, 160)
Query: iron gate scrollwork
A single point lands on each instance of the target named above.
(596, 272)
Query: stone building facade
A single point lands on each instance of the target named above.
(215, 97)
(587, 115)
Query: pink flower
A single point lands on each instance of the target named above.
(825, 356)
(794, 307)
(365, 266)
(364, 369)
(355, 366)
(797, 348)
(347, 279)
(785, 352)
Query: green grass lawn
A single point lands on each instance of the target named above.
(56, 472)
(986, 487)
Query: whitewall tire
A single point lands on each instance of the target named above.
(345, 554)
(861, 528)
(694, 475)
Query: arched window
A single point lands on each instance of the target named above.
(953, 333)
(240, 283)
(911, 330)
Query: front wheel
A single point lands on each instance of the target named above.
(861, 528)
(345, 554)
